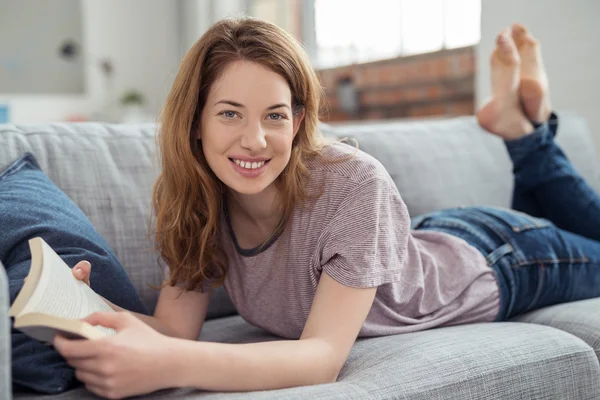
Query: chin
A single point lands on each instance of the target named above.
(248, 188)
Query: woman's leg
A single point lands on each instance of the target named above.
(546, 184)
(537, 263)
(543, 172)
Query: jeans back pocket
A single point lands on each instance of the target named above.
(516, 220)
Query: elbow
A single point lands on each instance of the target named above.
(332, 369)
(330, 361)
(333, 375)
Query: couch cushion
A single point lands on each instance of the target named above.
(5, 367)
(447, 163)
(108, 171)
(579, 318)
(483, 361)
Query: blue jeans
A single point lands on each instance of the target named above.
(547, 249)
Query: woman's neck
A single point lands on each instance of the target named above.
(254, 217)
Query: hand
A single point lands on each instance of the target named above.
(82, 271)
(132, 362)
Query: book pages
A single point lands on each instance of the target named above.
(59, 293)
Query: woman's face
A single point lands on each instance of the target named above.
(248, 127)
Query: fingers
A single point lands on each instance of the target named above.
(89, 378)
(75, 348)
(82, 271)
(115, 320)
(87, 365)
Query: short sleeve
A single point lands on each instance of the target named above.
(365, 243)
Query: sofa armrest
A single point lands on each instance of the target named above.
(5, 351)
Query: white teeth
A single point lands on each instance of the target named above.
(249, 165)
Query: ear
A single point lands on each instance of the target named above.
(298, 117)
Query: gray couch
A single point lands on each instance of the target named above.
(548, 354)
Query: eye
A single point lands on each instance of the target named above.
(276, 116)
(228, 114)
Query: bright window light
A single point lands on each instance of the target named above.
(462, 23)
(352, 31)
(422, 26)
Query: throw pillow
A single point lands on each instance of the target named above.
(31, 205)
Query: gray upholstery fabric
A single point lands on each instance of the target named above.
(483, 361)
(581, 318)
(448, 163)
(108, 171)
(5, 374)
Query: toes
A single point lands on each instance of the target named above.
(503, 39)
(518, 31)
(521, 36)
(506, 50)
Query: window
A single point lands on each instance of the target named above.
(354, 31)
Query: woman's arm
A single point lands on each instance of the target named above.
(337, 314)
(177, 314)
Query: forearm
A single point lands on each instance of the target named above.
(254, 366)
(149, 320)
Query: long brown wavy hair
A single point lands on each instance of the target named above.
(188, 198)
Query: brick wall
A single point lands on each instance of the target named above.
(433, 84)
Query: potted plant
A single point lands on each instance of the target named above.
(132, 102)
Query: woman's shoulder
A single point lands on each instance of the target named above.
(346, 160)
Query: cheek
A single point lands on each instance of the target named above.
(216, 139)
(282, 142)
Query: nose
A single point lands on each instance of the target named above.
(254, 138)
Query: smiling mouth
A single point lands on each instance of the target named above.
(249, 165)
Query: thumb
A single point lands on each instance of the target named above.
(115, 320)
(82, 271)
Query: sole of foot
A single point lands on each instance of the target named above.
(533, 88)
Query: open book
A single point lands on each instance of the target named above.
(53, 301)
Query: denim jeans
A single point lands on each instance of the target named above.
(546, 250)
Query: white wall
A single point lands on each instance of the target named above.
(570, 35)
(143, 40)
(199, 15)
(29, 61)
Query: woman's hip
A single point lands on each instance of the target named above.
(536, 264)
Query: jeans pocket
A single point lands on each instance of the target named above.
(516, 220)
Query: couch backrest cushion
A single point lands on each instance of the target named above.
(453, 162)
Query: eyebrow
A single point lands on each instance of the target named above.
(236, 104)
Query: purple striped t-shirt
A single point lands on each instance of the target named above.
(359, 233)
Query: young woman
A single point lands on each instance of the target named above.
(313, 241)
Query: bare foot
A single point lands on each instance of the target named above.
(533, 90)
(502, 115)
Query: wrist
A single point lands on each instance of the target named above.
(179, 368)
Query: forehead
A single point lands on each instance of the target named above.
(250, 83)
